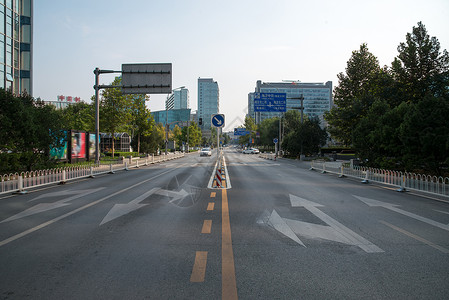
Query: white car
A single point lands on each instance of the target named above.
(251, 151)
(205, 152)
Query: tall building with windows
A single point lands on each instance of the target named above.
(317, 98)
(179, 99)
(208, 102)
(172, 117)
(16, 41)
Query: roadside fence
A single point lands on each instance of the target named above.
(403, 181)
(18, 183)
(270, 155)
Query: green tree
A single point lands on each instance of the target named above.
(421, 67)
(425, 135)
(29, 129)
(377, 137)
(141, 120)
(79, 116)
(194, 134)
(177, 135)
(250, 126)
(115, 112)
(352, 96)
(154, 141)
(226, 139)
(406, 128)
(269, 129)
(306, 138)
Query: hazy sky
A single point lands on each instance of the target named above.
(235, 42)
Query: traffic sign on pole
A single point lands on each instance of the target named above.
(270, 102)
(218, 120)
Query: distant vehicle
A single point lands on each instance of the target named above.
(251, 151)
(205, 152)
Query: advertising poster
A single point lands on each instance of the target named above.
(60, 153)
(78, 145)
(91, 146)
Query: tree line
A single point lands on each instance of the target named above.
(305, 137)
(396, 117)
(29, 128)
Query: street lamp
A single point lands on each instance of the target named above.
(166, 119)
(301, 97)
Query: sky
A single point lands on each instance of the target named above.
(235, 42)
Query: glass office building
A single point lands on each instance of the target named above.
(208, 101)
(317, 98)
(179, 99)
(172, 117)
(16, 41)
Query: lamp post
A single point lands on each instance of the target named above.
(301, 97)
(167, 127)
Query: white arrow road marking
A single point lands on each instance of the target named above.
(348, 234)
(42, 207)
(393, 207)
(278, 223)
(119, 210)
(173, 194)
(316, 231)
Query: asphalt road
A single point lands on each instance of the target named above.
(280, 232)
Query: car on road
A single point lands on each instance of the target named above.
(251, 151)
(205, 152)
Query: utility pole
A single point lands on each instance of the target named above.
(97, 88)
(301, 97)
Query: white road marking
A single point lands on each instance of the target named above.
(316, 231)
(344, 231)
(416, 237)
(279, 224)
(42, 207)
(45, 224)
(119, 210)
(393, 207)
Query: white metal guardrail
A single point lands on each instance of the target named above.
(18, 183)
(437, 185)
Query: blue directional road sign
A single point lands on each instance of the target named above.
(218, 120)
(270, 102)
(241, 131)
(275, 140)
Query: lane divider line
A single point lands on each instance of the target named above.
(207, 226)
(213, 194)
(210, 206)
(416, 237)
(199, 267)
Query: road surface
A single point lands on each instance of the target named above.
(280, 232)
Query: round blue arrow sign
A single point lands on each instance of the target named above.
(218, 120)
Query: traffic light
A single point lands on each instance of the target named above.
(200, 121)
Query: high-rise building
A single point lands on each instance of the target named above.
(178, 100)
(16, 41)
(172, 117)
(317, 98)
(208, 102)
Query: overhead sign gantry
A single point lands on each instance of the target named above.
(146, 78)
